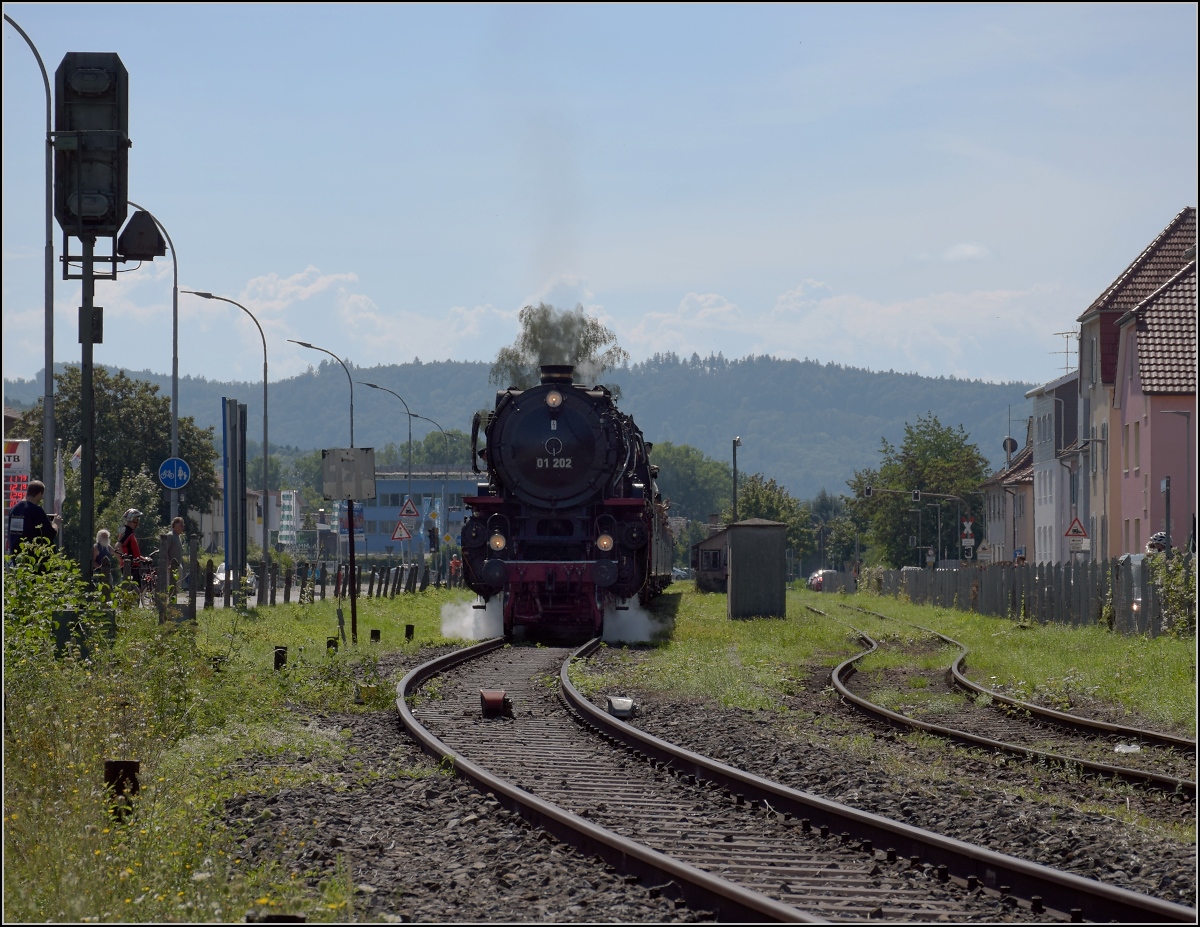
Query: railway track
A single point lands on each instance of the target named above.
(990, 720)
(713, 836)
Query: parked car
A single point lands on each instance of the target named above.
(816, 581)
(681, 573)
(222, 578)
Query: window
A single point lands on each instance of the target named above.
(372, 527)
(1137, 535)
(1095, 361)
(1093, 450)
(1126, 535)
(1125, 446)
(1104, 445)
(1137, 445)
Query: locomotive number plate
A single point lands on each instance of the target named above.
(554, 463)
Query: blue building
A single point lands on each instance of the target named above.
(438, 499)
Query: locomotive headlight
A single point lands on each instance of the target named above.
(605, 542)
(554, 399)
(497, 542)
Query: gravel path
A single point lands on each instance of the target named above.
(429, 848)
(821, 746)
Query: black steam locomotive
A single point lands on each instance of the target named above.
(570, 521)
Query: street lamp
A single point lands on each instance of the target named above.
(262, 588)
(175, 350)
(737, 442)
(313, 347)
(349, 502)
(939, 547)
(48, 470)
(410, 418)
(445, 468)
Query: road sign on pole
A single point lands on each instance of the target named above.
(401, 532)
(1076, 530)
(174, 473)
(409, 510)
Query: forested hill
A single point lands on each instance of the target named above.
(808, 425)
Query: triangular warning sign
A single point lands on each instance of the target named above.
(1076, 530)
(409, 510)
(401, 533)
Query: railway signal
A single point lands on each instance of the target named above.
(916, 495)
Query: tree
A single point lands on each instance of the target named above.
(132, 434)
(759, 497)
(934, 459)
(696, 485)
(556, 336)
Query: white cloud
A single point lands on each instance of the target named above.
(964, 251)
(984, 334)
(272, 292)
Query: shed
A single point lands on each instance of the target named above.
(709, 560)
(757, 566)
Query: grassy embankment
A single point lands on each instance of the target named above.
(750, 664)
(154, 697)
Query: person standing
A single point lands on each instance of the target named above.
(28, 522)
(102, 556)
(174, 547)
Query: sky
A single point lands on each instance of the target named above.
(936, 189)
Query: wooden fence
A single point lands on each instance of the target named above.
(1063, 593)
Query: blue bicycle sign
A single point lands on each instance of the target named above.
(174, 473)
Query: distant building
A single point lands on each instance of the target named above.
(1156, 374)
(1055, 476)
(1099, 338)
(1009, 506)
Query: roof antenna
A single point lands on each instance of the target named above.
(1066, 351)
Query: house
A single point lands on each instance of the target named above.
(1055, 474)
(1154, 404)
(1098, 347)
(1009, 506)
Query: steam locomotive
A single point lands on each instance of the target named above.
(570, 522)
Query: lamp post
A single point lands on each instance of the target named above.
(175, 350)
(445, 469)
(939, 547)
(349, 502)
(1187, 416)
(820, 537)
(737, 442)
(918, 548)
(266, 536)
(407, 412)
(48, 444)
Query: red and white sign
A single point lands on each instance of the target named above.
(968, 532)
(401, 533)
(16, 472)
(409, 510)
(1076, 530)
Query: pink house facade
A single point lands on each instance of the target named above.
(1154, 406)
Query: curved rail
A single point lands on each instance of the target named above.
(1062, 719)
(704, 890)
(966, 862)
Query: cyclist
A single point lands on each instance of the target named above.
(131, 551)
(1157, 543)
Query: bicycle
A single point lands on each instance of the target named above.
(141, 577)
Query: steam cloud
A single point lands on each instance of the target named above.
(635, 626)
(462, 622)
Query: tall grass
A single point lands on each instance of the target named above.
(153, 696)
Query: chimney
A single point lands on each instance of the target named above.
(557, 373)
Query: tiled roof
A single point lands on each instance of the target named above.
(1165, 323)
(1018, 469)
(1152, 268)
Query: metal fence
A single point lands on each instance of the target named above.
(1063, 593)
